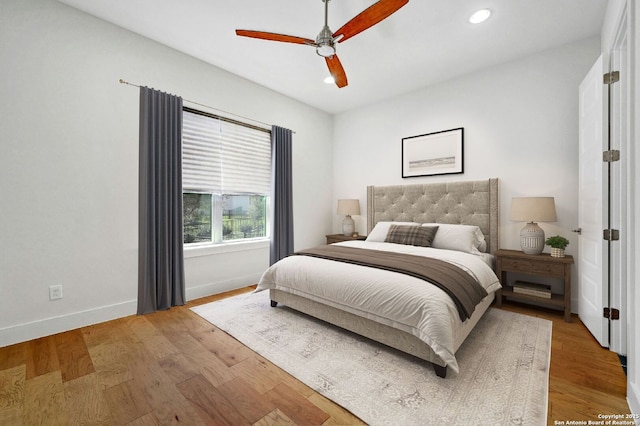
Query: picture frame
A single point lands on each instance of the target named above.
(438, 153)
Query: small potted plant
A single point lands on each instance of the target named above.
(558, 244)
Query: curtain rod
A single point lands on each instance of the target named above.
(210, 107)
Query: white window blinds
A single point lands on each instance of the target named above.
(223, 157)
(201, 153)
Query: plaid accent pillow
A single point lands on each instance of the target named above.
(411, 235)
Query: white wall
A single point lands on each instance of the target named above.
(520, 124)
(69, 166)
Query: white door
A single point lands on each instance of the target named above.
(593, 293)
(619, 190)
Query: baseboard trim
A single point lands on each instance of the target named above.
(221, 286)
(48, 326)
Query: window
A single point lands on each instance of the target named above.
(226, 175)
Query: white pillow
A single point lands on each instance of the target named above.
(379, 232)
(466, 238)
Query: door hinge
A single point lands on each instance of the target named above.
(611, 313)
(611, 77)
(611, 234)
(611, 156)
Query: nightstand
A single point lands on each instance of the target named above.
(336, 238)
(541, 265)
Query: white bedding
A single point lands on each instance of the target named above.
(390, 298)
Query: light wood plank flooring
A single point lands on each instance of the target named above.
(173, 367)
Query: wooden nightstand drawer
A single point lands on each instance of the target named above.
(532, 267)
(547, 269)
(516, 265)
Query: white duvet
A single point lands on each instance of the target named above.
(403, 302)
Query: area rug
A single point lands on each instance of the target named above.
(504, 366)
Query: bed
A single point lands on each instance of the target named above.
(399, 310)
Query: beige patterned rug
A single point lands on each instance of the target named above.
(504, 366)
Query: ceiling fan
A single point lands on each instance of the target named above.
(325, 41)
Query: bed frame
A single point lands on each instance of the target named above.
(467, 203)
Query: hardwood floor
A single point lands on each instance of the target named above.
(173, 367)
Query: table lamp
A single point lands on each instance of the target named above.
(532, 210)
(347, 208)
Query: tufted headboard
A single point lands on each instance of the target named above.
(467, 203)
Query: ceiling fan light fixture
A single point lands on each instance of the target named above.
(480, 16)
(325, 50)
(324, 41)
(329, 80)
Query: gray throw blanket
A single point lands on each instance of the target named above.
(464, 289)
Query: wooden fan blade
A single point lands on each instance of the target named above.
(368, 18)
(336, 70)
(275, 37)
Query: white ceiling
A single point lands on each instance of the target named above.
(425, 42)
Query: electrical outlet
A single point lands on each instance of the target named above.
(55, 292)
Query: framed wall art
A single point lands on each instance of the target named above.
(439, 153)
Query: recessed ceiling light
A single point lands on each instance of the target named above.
(329, 80)
(480, 16)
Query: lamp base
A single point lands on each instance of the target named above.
(532, 238)
(348, 226)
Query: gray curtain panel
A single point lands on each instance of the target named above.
(160, 250)
(281, 193)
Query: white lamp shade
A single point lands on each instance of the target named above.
(348, 207)
(533, 209)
